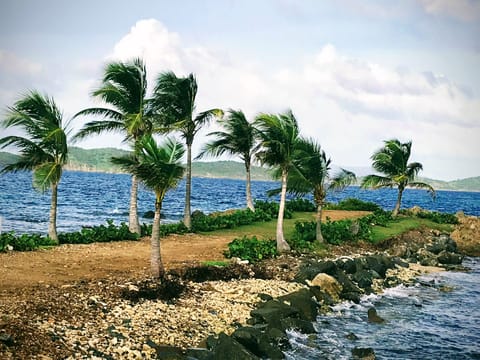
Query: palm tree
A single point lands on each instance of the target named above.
(123, 87)
(392, 162)
(310, 173)
(279, 137)
(238, 138)
(158, 168)
(44, 149)
(174, 98)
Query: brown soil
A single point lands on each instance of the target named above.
(128, 260)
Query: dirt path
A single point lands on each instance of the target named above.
(126, 259)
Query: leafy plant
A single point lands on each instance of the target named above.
(354, 204)
(251, 249)
(24, 242)
(100, 233)
(438, 217)
(301, 205)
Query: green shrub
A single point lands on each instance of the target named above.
(251, 249)
(100, 233)
(438, 217)
(165, 229)
(354, 204)
(271, 209)
(24, 242)
(301, 205)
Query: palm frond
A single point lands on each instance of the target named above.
(377, 182)
(424, 186)
(342, 179)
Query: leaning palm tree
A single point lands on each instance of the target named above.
(238, 138)
(160, 169)
(174, 98)
(44, 148)
(123, 88)
(279, 136)
(392, 162)
(310, 174)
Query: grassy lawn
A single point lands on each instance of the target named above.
(266, 230)
(402, 225)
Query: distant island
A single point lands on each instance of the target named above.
(98, 160)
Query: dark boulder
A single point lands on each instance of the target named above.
(303, 326)
(373, 317)
(228, 348)
(199, 354)
(449, 258)
(442, 243)
(322, 297)
(257, 342)
(310, 269)
(380, 264)
(272, 312)
(278, 338)
(303, 302)
(364, 278)
(363, 353)
(348, 265)
(350, 291)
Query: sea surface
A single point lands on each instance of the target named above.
(421, 322)
(87, 199)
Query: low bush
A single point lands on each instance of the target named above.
(354, 204)
(301, 205)
(100, 233)
(438, 217)
(165, 229)
(24, 242)
(251, 249)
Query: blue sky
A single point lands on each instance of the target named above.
(354, 73)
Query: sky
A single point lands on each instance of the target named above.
(354, 72)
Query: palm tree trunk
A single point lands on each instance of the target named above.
(156, 263)
(318, 230)
(187, 219)
(52, 225)
(282, 245)
(133, 224)
(248, 186)
(399, 201)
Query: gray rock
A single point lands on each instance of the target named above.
(373, 317)
(450, 258)
(302, 300)
(363, 353)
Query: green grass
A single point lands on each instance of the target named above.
(265, 230)
(405, 224)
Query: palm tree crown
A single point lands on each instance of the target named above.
(160, 169)
(279, 136)
(238, 138)
(44, 150)
(392, 161)
(123, 87)
(174, 98)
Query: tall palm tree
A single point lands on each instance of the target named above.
(238, 138)
(44, 148)
(279, 136)
(392, 162)
(160, 169)
(123, 88)
(174, 97)
(310, 173)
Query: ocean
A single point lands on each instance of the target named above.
(87, 199)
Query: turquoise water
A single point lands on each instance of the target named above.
(91, 198)
(422, 322)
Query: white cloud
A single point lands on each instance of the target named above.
(466, 10)
(10, 62)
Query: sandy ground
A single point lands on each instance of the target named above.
(127, 259)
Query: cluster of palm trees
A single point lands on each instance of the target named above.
(272, 139)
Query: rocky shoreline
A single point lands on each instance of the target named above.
(241, 311)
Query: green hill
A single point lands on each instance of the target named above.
(99, 160)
